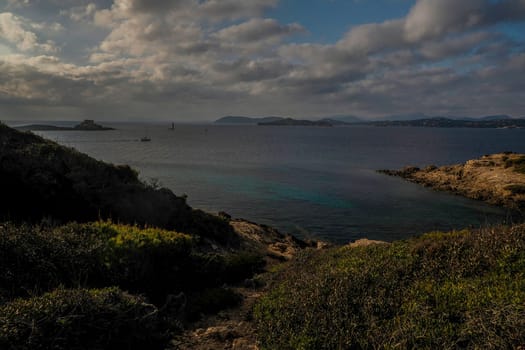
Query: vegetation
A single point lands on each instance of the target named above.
(154, 262)
(82, 319)
(70, 274)
(37, 262)
(517, 162)
(465, 289)
(516, 188)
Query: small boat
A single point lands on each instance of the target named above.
(145, 139)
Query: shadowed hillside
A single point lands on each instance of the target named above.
(43, 180)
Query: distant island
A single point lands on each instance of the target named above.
(86, 125)
(296, 122)
(246, 120)
(414, 120)
(442, 122)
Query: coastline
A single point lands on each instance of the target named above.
(498, 179)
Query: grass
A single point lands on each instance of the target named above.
(464, 289)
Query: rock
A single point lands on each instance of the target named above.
(363, 242)
(244, 344)
(222, 333)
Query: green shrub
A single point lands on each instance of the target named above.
(460, 290)
(516, 188)
(35, 259)
(82, 319)
(150, 261)
(518, 164)
(146, 260)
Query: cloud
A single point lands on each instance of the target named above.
(234, 9)
(258, 29)
(203, 58)
(369, 38)
(80, 13)
(435, 18)
(436, 50)
(13, 4)
(15, 30)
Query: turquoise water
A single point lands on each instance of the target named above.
(313, 182)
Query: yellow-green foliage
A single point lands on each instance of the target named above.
(460, 290)
(123, 236)
(147, 260)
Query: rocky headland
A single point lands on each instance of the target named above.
(497, 179)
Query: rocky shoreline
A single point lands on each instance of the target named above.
(497, 179)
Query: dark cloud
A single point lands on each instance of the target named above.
(257, 30)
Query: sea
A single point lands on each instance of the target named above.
(312, 182)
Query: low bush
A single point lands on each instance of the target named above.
(146, 260)
(465, 289)
(82, 319)
(150, 261)
(518, 164)
(516, 188)
(35, 259)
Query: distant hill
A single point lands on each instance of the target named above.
(488, 117)
(347, 119)
(246, 120)
(333, 122)
(441, 122)
(423, 116)
(404, 117)
(296, 122)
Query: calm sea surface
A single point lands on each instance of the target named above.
(309, 181)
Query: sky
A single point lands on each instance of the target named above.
(196, 60)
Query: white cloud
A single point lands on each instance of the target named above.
(434, 18)
(15, 30)
(80, 13)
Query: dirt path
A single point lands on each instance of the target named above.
(230, 329)
(234, 328)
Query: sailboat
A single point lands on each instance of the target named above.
(172, 126)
